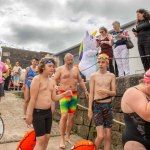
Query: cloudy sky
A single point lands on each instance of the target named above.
(54, 25)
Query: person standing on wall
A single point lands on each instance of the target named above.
(142, 32)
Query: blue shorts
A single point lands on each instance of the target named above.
(16, 78)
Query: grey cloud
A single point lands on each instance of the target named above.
(42, 8)
(55, 39)
(115, 10)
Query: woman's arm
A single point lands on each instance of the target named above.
(138, 103)
(24, 80)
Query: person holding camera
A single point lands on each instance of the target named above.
(142, 32)
(105, 42)
(121, 53)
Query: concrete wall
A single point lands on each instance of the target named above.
(81, 123)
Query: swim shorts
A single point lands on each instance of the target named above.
(68, 104)
(103, 114)
(42, 121)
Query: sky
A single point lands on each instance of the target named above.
(55, 25)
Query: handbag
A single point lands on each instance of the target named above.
(129, 44)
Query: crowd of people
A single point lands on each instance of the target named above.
(44, 84)
(115, 44)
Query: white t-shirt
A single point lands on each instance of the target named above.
(17, 70)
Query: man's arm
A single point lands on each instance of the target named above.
(113, 86)
(34, 89)
(57, 76)
(82, 84)
(91, 95)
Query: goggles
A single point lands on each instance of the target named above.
(50, 61)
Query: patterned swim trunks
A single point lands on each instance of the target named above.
(103, 114)
(68, 104)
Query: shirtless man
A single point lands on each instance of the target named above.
(102, 89)
(42, 92)
(69, 77)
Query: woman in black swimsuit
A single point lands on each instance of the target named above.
(136, 107)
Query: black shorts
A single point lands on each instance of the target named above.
(42, 121)
(1, 89)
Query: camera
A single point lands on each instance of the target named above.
(134, 30)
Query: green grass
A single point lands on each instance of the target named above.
(19, 94)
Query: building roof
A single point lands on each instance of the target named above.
(77, 45)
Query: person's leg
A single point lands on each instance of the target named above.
(133, 145)
(18, 82)
(63, 124)
(125, 62)
(26, 99)
(108, 121)
(143, 59)
(147, 51)
(14, 82)
(39, 125)
(99, 137)
(72, 109)
(1, 91)
(48, 126)
(6, 84)
(40, 143)
(47, 137)
(111, 67)
(107, 138)
(117, 55)
(69, 127)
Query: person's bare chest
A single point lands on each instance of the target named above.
(46, 86)
(103, 81)
(68, 74)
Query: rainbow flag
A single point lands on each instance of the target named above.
(81, 51)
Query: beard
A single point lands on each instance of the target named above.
(70, 66)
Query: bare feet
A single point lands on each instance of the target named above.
(70, 141)
(62, 143)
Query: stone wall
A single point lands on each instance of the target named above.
(81, 122)
(23, 56)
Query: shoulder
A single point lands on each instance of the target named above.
(36, 78)
(59, 68)
(130, 93)
(93, 75)
(111, 74)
